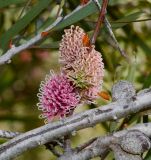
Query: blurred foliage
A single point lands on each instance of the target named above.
(19, 81)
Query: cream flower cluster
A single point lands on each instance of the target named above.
(81, 63)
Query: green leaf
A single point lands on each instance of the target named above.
(125, 20)
(22, 23)
(78, 14)
(117, 2)
(145, 47)
(131, 72)
(148, 156)
(147, 82)
(5, 3)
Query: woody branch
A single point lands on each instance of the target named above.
(104, 143)
(113, 111)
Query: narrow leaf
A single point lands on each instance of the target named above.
(125, 20)
(5, 3)
(22, 23)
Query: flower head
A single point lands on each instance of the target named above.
(87, 68)
(71, 44)
(57, 97)
(81, 63)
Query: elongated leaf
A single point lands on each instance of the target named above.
(22, 23)
(117, 2)
(5, 3)
(125, 20)
(80, 13)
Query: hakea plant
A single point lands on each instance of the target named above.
(81, 63)
(80, 79)
(57, 97)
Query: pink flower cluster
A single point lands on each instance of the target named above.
(80, 79)
(57, 97)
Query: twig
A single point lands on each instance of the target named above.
(86, 144)
(101, 145)
(67, 144)
(52, 149)
(5, 58)
(54, 130)
(8, 134)
(104, 154)
(100, 20)
(67, 141)
(109, 29)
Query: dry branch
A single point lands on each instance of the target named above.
(54, 130)
(8, 134)
(101, 144)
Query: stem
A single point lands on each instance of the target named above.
(67, 144)
(52, 149)
(109, 29)
(67, 140)
(83, 146)
(100, 21)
